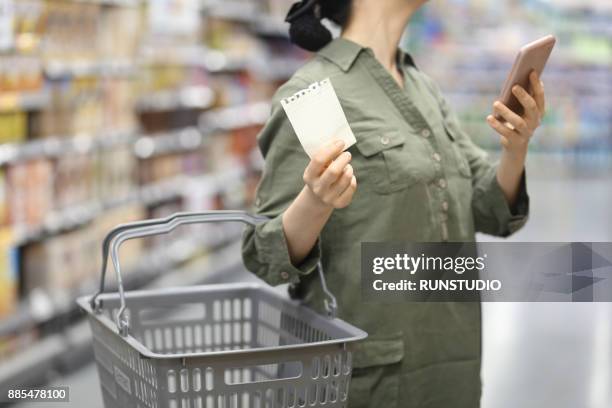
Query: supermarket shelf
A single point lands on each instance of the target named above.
(227, 118)
(24, 101)
(185, 139)
(82, 214)
(118, 3)
(145, 145)
(61, 351)
(196, 56)
(152, 266)
(193, 97)
(235, 117)
(218, 61)
(214, 61)
(222, 62)
(260, 23)
(231, 10)
(276, 68)
(215, 267)
(78, 215)
(272, 26)
(55, 69)
(54, 147)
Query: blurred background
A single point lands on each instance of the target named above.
(117, 110)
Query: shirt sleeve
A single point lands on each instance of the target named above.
(264, 247)
(492, 213)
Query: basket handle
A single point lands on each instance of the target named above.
(139, 229)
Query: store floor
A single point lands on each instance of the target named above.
(536, 355)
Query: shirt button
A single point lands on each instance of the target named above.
(436, 157)
(384, 140)
(284, 275)
(445, 206)
(425, 133)
(442, 183)
(258, 201)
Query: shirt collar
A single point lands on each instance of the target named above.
(343, 53)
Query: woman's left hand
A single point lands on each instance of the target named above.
(517, 131)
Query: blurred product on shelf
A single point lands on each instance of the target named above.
(86, 31)
(470, 56)
(4, 218)
(13, 127)
(30, 192)
(8, 286)
(58, 265)
(20, 74)
(8, 274)
(115, 170)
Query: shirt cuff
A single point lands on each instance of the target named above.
(511, 218)
(275, 254)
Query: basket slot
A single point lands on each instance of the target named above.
(178, 313)
(184, 380)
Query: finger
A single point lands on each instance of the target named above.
(537, 88)
(532, 115)
(322, 158)
(500, 128)
(515, 120)
(335, 170)
(342, 183)
(347, 196)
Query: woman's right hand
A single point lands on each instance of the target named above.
(329, 183)
(329, 176)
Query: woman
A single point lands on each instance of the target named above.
(413, 175)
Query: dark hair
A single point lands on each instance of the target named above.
(306, 29)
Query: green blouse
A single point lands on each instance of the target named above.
(420, 178)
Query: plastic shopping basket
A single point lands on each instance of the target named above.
(221, 346)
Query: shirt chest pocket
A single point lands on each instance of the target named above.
(386, 162)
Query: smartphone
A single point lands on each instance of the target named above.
(531, 57)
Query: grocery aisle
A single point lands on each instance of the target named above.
(554, 354)
(117, 110)
(113, 111)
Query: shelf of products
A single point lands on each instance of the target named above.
(112, 111)
(43, 308)
(268, 20)
(471, 55)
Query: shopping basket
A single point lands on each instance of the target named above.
(222, 346)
